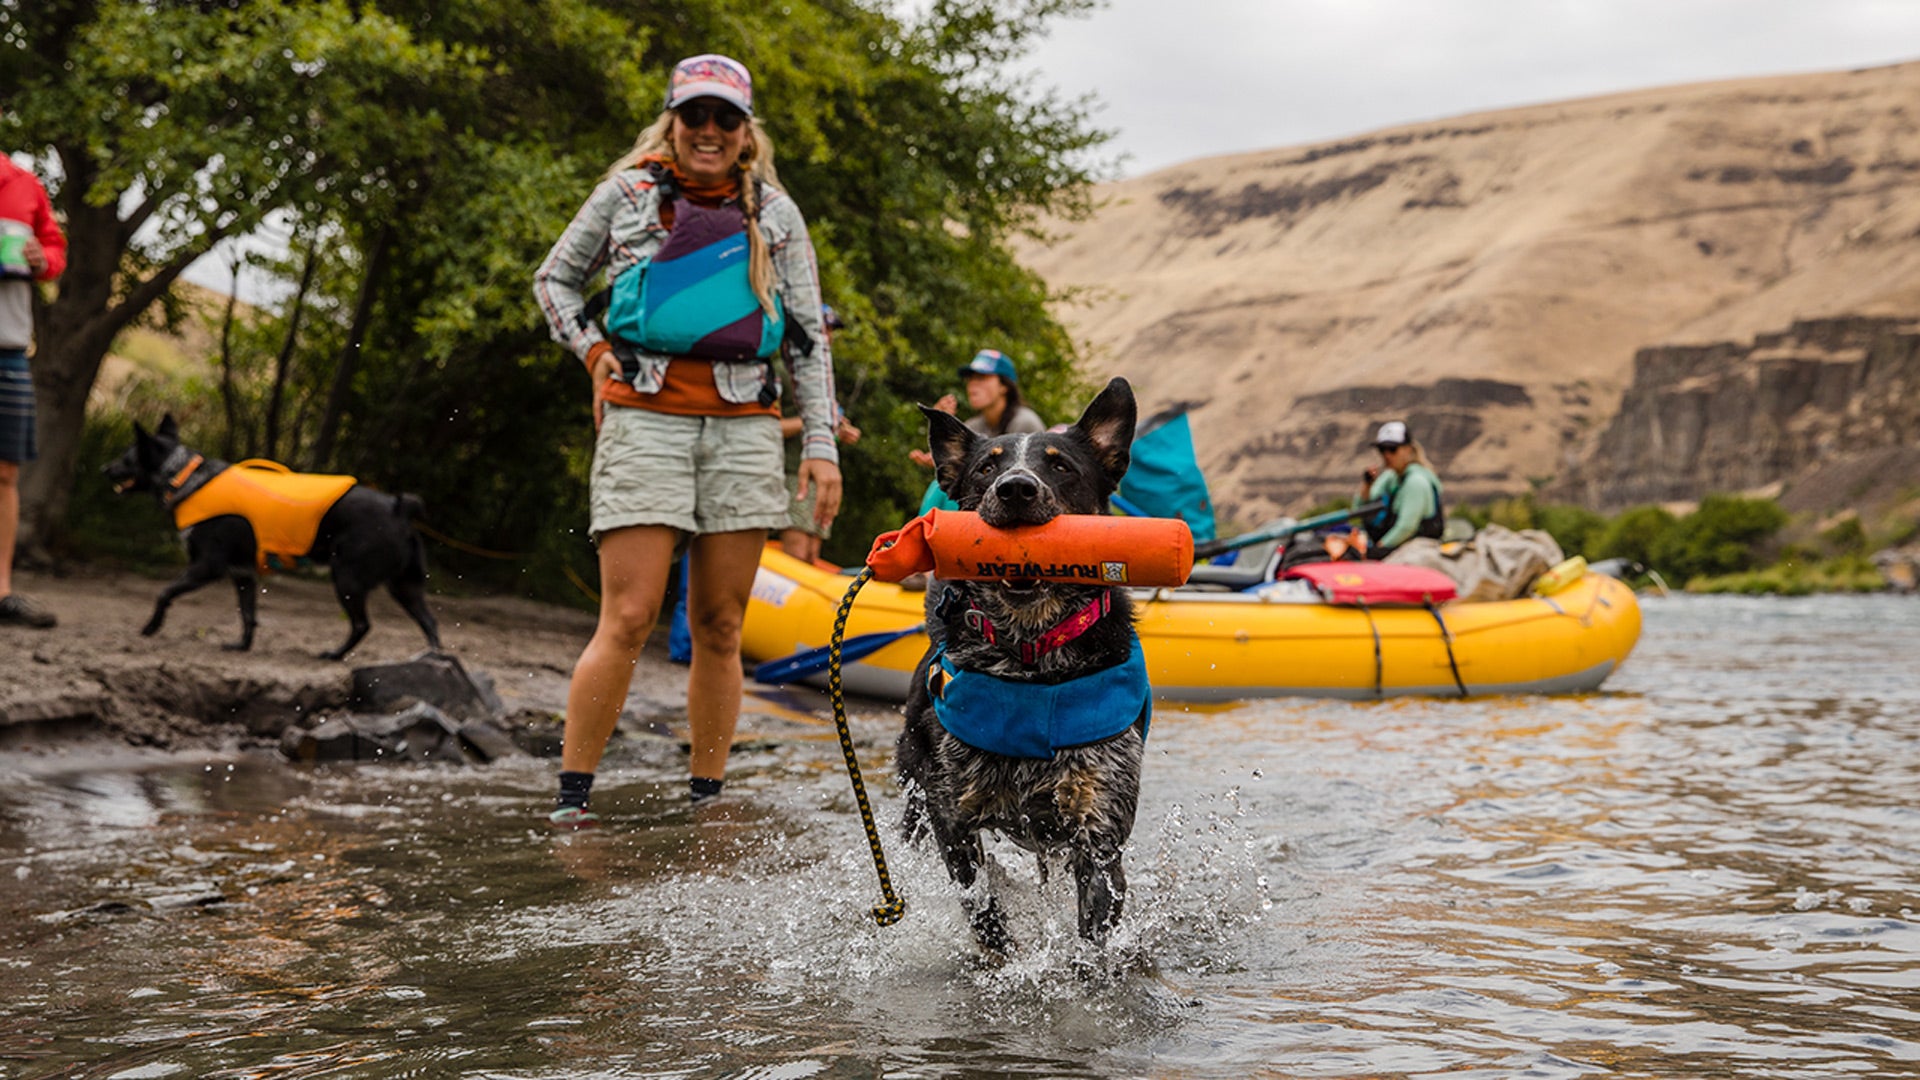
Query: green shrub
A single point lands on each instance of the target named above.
(1574, 528)
(129, 531)
(1852, 573)
(1722, 537)
(1634, 535)
(1847, 538)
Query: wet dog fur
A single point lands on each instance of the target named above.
(1080, 803)
(366, 538)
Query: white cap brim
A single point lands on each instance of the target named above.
(728, 94)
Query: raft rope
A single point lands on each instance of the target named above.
(1446, 636)
(1379, 668)
(890, 912)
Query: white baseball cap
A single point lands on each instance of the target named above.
(1392, 433)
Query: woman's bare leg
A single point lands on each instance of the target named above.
(635, 563)
(723, 569)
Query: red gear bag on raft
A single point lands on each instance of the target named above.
(1083, 549)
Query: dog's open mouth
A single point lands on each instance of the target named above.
(121, 487)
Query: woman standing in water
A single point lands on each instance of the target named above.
(685, 399)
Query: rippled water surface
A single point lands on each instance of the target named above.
(1710, 869)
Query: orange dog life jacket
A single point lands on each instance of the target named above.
(284, 508)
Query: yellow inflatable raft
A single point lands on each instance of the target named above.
(1223, 646)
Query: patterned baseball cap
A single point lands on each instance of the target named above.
(711, 75)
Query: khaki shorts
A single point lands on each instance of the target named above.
(698, 474)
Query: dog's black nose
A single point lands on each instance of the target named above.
(1016, 490)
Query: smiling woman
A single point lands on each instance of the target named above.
(712, 276)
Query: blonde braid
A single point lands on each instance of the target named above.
(756, 167)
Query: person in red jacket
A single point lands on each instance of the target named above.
(32, 248)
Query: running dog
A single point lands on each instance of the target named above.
(234, 518)
(1044, 680)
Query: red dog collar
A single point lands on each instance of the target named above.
(1059, 634)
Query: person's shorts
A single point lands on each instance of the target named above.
(800, 511)
(16, 408)
(698, 474)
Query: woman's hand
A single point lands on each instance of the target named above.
(846, 432)
(920, 457)
(822, 477)
(948, 404)
(602, 367)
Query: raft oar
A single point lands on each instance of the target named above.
(1220, 547)
(810, 662)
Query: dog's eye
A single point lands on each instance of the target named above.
(986, 466)
(1060, 466)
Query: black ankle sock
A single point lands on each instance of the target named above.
(574, 789)
(702, 788)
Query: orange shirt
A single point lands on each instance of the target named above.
(689, 390)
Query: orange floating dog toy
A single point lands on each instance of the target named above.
(1086, 549)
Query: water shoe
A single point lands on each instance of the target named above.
(574, 817)
(15, 610)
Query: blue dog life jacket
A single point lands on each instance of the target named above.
(1028, 720)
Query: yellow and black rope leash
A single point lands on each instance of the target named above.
(890, 912)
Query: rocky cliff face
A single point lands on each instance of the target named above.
(1827, 413)
(1492, 278)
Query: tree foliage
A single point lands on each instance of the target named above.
(1634, 534)
(1723, 535)
(423, 154)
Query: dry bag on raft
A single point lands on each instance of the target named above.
(1085, 549)
(1374, 583)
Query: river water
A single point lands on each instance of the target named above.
(1711, 869)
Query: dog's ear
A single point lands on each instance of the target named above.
(169, 427)
(950, 441)
(140, 433)
(1107, 426)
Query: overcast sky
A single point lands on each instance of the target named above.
(1181, 79)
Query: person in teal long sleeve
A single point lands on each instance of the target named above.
(1409, 487)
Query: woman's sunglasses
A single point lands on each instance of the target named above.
(695, 115)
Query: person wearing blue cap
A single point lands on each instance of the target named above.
(993, 392)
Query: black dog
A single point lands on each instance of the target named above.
(1033, 639)
(367, 537)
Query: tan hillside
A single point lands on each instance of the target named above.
(1488, 277)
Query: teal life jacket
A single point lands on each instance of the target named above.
(694, 297)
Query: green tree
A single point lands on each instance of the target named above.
(162, 128)
(424, 155)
